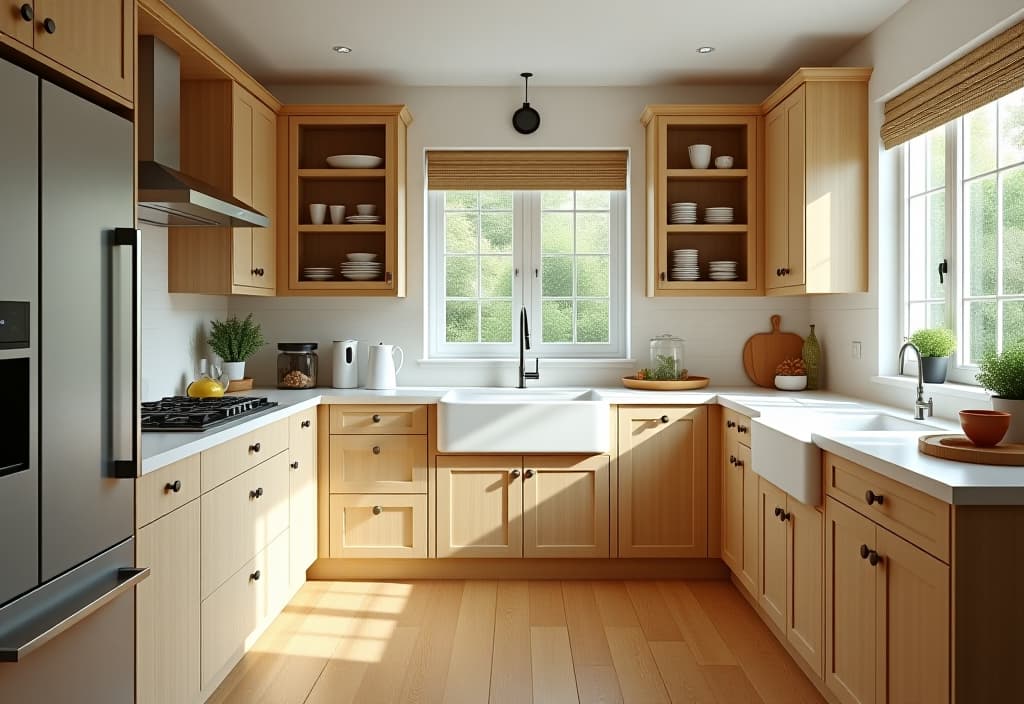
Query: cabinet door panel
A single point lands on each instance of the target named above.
(479, 506)
(95, 39)
(264, 181)
(565, 506)
(805, 596)
(378, 525)
(772, 563)
(796, 107)
(242, 265)
(776, 195)
(302, 497)
(732, 508)
(751, 523)
(850, 606)
(241, 145)
(913, 624)
(662, 482)
(381, 464)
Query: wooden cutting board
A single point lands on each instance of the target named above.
(764, 351)
(959, 449)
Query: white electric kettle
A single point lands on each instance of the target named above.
(381, 370)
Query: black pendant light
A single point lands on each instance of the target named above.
(526, 120)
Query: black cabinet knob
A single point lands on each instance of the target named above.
(739, 462)
(741, 428)
(376, 449)
(26, 12)
(255, 576)
(732, 459)
(256, 493)
(376, 418)
(778, 511)
(778, 272)
(514, 474)
(870, 555)
(528, 473)
(873, 498)
(294, 465)
(377, 510)
(664, 419)
(305, 424)
(730, 424)
(255, 447)
(49, 25)
(257, 272)
(174, 486)
(663, 276)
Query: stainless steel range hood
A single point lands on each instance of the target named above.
(167, 197)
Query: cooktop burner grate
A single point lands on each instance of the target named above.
(197, 414)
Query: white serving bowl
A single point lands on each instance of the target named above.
(366, 209)
(700, 155)
(361, 256)
(791, 383)
(723, 162)
(354, 161)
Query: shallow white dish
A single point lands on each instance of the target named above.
(361, 277)
(354, 161)
(361, 257)
(791, 383)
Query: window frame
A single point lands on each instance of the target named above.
(527, 285)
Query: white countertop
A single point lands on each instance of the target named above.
(892, 454)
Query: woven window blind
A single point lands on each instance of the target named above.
(526, 170)
(994, 69)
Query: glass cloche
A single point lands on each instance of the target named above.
(668, 358)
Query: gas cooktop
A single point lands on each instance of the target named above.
(197, 414)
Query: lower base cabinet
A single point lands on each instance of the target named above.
(378, 525)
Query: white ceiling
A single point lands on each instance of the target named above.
(563, 42)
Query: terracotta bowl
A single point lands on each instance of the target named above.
(985, 428)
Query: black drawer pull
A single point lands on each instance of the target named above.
(730, 424)
(376, 449)
(873, 498)
(664, 419)
(255, 447)
(174, 486)
(376, 418)
(255, 576)
(377, 510)
(305, 424)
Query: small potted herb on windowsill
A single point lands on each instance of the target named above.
(235, 341)
(1003, 375)
(935, 346)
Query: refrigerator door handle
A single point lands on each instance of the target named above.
(124, 404)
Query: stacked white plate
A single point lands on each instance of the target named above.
(361, 271)
(684, 265)
(718, 215)
(318, 273)
(723, 270)
(362, 219)
(682, 213)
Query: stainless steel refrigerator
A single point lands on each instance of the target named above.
(69, 258)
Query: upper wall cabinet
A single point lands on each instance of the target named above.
(228, 139)
(311, 256)
(92, 40)
(816, 183)
(683, 194)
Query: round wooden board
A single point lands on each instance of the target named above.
(688, 384)
(959, 449)
(763, 352)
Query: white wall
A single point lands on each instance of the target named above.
(174, 325)
(715, 328)
(921, 37)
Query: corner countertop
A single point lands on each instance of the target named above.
(892, 454)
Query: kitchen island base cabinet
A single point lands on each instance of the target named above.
(663, 481)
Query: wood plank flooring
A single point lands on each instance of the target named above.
(518, 642)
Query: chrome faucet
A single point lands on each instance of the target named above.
(920, 405)
(524, 344)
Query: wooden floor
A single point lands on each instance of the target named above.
(516, 642)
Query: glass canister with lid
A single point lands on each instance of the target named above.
(668, 358)
(296, 365)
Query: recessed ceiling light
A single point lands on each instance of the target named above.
(341, 49)
(705, 49)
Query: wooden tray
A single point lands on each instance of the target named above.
(240, 385)
(959, 449)
(763, 352)
(687, 384)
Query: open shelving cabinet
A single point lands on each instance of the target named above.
(731, 130)
(307, 135)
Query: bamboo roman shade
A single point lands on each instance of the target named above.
(526, 170)
(994, 69)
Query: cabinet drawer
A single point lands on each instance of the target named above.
(736, 427)
(378, 464)
(240, 517)
(160, 492)
(378, 525)
(379, 420)
(239, 606)
(233, 457)
(914, 516)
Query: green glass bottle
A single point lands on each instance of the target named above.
(812, 359)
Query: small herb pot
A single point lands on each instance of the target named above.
(933, 369)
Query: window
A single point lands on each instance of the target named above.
(559, 254)
(964, 225)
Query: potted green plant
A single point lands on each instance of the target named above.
(235, 341)
(1003, 375)
(935, 346)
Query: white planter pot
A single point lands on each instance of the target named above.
(1015, 407)
(235, 370)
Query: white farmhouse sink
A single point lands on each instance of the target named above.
(522, 421)
(784, 453)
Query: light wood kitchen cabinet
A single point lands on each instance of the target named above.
(771, 593)
(479, 506)
(89, 40)
(307, 135)
(816, 182)
(167, 608)
(663, 473)
(229, 140)
(565, 506)
(378, 525)
(740, 496)
(378, 464)
(391, 419)
(302, 496)
(888, 611)
(730, 130)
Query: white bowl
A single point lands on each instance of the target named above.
(361, 256)
(366, 209)
(700, 155)
(791, 383)
(354, 161)
(723, 162)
